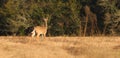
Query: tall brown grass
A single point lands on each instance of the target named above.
(57, 47)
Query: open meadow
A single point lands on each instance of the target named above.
(60, 47)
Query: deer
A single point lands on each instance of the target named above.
(40, 30)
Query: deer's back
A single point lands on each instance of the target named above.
(40, 29)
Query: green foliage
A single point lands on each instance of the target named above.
(111, 18)
(64, 16)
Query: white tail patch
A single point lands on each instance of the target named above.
(33, 33)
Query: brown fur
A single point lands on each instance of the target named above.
(40, 30)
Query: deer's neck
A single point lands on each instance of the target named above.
(46, 24)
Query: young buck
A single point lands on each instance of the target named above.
(40, 30)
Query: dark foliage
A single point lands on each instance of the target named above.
(66, 17)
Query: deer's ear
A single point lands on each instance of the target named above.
(45, 18)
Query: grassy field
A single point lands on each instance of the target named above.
(57, 47)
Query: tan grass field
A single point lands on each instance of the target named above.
(60, 47)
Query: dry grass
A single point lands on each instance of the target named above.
(57, 47)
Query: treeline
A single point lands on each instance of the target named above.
(66, 17)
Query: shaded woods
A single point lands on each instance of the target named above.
(66, 17)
